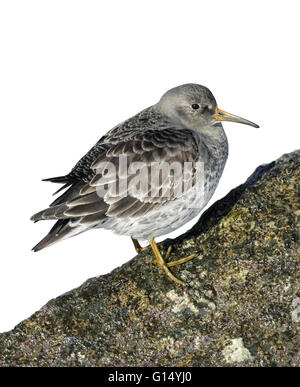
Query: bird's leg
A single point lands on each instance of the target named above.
(139, 248)
(161, 263)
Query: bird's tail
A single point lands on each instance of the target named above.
(62, 229)
(58, 179)
(61, 180)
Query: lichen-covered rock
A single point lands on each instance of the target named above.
(241, 305)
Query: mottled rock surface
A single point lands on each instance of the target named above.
(241, 305)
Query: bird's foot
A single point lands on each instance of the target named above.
(161, 262)
(179, 261)
(182, 260)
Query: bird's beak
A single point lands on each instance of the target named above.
(221, 115)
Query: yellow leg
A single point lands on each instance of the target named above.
(139, 248)
(161, 263)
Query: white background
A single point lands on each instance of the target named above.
(71, 70)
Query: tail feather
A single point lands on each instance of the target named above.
(58, 179)
(55, 212)
(61, 230)
(69, 194)
(66, 181)
(62, 188)
(64, 227)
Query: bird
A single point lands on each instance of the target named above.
(183, 128)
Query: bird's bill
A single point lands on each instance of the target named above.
(221, 115)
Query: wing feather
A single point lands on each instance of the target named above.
(152, 147)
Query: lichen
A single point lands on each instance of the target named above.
(235, 352)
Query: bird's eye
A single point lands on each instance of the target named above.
(195, 106)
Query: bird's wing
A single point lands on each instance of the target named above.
(82, 172)
(106, 195)
(142, 121)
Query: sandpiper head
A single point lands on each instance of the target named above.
(195, 106)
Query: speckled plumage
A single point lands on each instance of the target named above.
(167, 131)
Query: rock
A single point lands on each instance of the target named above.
(241, 305)
(235, 352)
